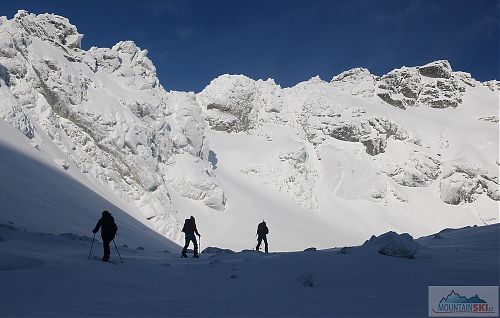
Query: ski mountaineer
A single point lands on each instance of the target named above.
(189, 230)
(108, 231)
(262, 232)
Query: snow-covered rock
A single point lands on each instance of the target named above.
(11, 111)
(333, 156)
(104, 108)
(357, 81)
(464, 182)
(49, 27)
(442, 93)
(393, 244)
(400, 87)
(217, 250)
(433, 85)
(419, 170)
(229, 103)
(437, 69)
(493, 85)
(233, 103)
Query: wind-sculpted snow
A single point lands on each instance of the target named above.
(292, 173)
(106, 110)
(355, 108)
(361, 153)
(465, 182)
(11, 111)
(234, 103)
(357, 81)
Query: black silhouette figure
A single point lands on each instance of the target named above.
(189, 230)
(262, 232)
(108, 231)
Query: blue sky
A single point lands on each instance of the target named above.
(192, 42)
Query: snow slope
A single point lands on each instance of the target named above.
(49, 275)
(53, 196)
(338, 155)
(324, 163)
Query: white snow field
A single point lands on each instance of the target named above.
(326, 164)
(49, 275)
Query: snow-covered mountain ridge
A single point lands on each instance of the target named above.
(415, 150)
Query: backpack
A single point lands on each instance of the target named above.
(115, 227)
(189, 226)
(262, 229)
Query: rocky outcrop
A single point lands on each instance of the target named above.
(229, 101)
(393, 244)
(491, 119)
(400, 87)
(350, 124)
(432, 85)
(12, 113)
(437, 69)
(357, 81)
(51, 28)
(442, 93)
(463, 183)
(493, 85)
(419, 170)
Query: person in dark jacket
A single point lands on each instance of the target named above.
(262, 232)
(189, 230)
(108, 231)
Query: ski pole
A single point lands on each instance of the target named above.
(91, 246)
(118, 251)
(199, 244)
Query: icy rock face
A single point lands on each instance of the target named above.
(321, 120)
(442, 93)
(393, 244)
(232, 102)
(357, 81)
(11, 111)
(400, 88)
(51, 28)
(297, 176)
(106, 111)
(228, 101)
(437, 69)
(126, 60)
(463, 182)
(420, 170)
(432, 85)
(321, 113)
